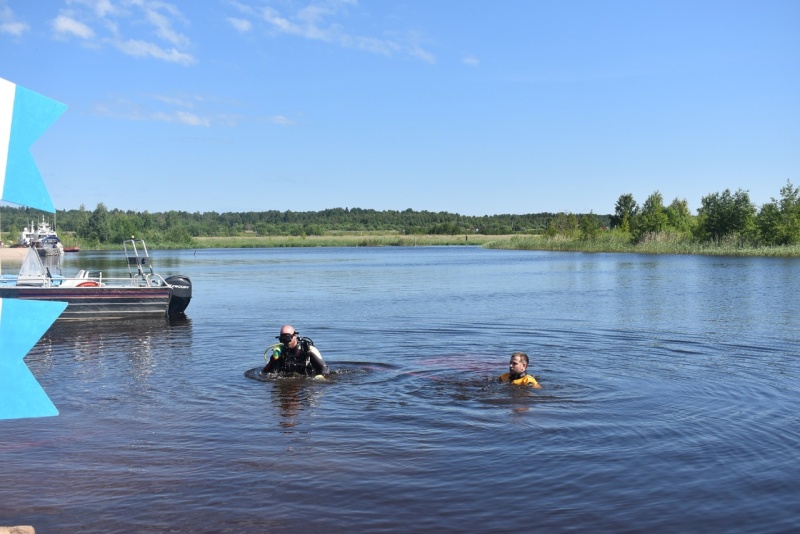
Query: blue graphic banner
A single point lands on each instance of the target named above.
(22, 324)
(24, 116)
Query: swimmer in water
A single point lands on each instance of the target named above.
(517, 372)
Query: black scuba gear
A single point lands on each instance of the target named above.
(294, 361)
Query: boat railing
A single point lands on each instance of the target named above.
(92, 279)
(34, 273)
(136, 254)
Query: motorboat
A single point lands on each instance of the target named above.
(91, 295)
(49, 246)
(42, 237)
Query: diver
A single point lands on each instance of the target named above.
(295, 355)
(517, 375)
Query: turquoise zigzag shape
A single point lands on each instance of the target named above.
(22, 323)
(24, 116)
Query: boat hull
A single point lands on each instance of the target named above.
(99, 302)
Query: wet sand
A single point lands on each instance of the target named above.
(11, 259)
(7, 253)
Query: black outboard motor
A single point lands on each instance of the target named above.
(181, 294)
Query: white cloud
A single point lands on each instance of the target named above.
(138, 28)
(14, 28)
(101, 8)
(369, 44)
(188, 102)
(280, 119)
(320, 22)
(191, 119)
(163, 27)
(188, 110)
(284, 25)
(9, 23)
(240, 25)
(144, 49)
(471, 61)
(420, 53)
(65, 25)
(128, 109)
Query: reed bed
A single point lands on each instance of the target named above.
(345, 240)
(605, 242)
(613, 243)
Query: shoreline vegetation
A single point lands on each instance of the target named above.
(608, 241)
(611, 242)
(726, 223)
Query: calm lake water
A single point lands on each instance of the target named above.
(670, 398)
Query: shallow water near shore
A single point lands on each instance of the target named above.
(669, 398)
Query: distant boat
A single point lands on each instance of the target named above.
(44, 239)
(72, 249)
(49, 246)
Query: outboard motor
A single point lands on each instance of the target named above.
(181, 294)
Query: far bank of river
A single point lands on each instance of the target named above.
(350, 239)
(601, 244)
(504, 242)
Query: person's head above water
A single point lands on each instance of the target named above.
(518, 364)
(517, 371)
(288, 336)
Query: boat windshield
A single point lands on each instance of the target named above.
(32, 271)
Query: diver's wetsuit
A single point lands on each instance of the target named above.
(524, 380)
(304, 359)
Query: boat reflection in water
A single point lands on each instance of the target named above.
(112, 347)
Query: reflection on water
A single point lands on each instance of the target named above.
(669, 398)
(100, 343)
(293, 396)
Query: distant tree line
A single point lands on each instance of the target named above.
(723, 218)
(102, 225)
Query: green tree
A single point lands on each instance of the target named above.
(779, 221)
(726, 215)
(80, 221)
(652, 219)
(589, 226)
(446, 229)
(313, 229)
(97, 229)
(678, 215)
(122, 226)
(624, 212)
(565, 224)
(178, 234)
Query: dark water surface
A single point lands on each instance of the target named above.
(669, 403)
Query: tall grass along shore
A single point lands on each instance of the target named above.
(355, 239)
(607, 241)
(613, 242)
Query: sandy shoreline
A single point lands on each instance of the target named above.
(11, 261)
(12, 254)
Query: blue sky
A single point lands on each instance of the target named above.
(474, 107)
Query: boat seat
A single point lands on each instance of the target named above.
(77, 279)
